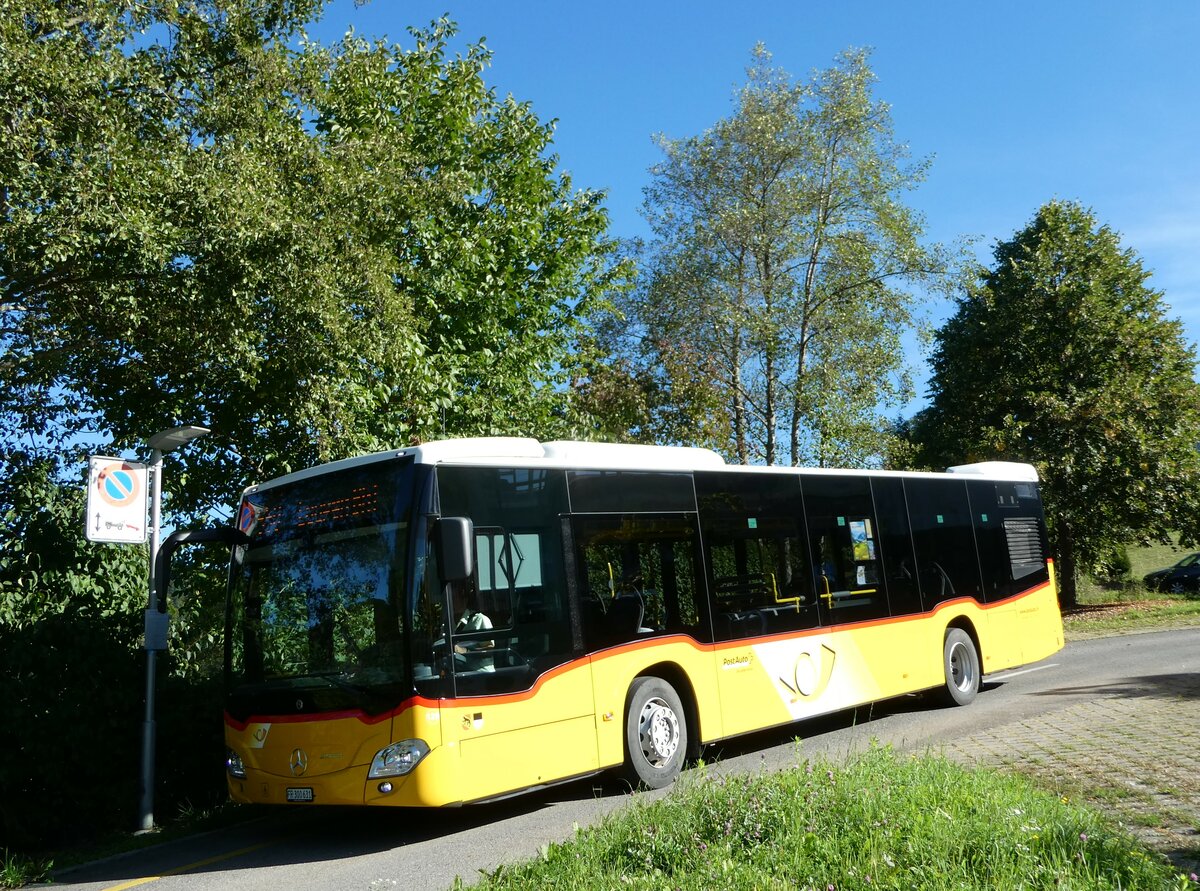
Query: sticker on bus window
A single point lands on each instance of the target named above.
(752, 523)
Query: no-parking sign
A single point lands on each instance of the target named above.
(116, 502)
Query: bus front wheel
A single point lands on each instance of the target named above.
(656, 734)
(961, 661)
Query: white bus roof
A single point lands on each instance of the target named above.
(999, 470)
(527, 452)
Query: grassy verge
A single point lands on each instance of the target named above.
(1121, 607)
(1148, 613)
(879, 821)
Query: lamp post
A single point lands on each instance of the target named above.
(156, 622)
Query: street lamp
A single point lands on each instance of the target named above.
(156, 622)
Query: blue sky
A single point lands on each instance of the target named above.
(1016, 102)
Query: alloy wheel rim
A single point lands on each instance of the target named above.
(962, 671)
(658, 731)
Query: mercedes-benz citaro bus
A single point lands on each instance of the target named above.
(466, 619)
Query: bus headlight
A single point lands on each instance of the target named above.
(233, 763)
(398, 759)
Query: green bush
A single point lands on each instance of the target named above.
(1116, 567)
(71, 621)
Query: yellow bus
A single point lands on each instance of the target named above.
(464, 620)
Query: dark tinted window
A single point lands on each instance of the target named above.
(895, 542)
(844, 542)
(511, 621)
(756, 558)
(943, 538)
(638, 577)
(1008, 528)
(1026, 551)
(991, 504)
(628, 491)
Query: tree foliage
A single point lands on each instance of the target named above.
(315, 251)
(1064, 357)
(770, 319)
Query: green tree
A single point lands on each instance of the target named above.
(315, 251)
(1064, 357)
(774, 302)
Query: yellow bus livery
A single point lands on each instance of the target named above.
(468, 619)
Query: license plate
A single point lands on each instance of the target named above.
(305, 794)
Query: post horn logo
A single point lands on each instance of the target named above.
(811, 674)
(299, 762)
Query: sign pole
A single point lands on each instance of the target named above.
(149, 728)
(156, 617)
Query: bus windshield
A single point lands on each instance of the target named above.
(319, 593)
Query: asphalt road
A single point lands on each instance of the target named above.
(378, 849)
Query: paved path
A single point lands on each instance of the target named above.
(1135, 754)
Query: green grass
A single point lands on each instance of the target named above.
(17, 870)
(1165, 611)
(1121, 607)
(1142, 559)
(879, 821)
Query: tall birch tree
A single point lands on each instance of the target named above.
(778, 286)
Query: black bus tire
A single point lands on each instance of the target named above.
(961, 662)
(656, 733)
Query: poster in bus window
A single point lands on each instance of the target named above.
(862, 540)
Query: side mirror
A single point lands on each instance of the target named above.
(456, 556)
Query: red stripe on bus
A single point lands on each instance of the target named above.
(612, 652)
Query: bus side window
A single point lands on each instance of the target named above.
(895, 541)
(759, 577)
(519, 582)
(991, 505)
(513, 629)
(845, 544)
(1008, 529)
(944, 541)
(638, 577)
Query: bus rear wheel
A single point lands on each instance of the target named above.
(656, 733)
(961, 662)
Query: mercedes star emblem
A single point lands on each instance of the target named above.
(299, 762)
